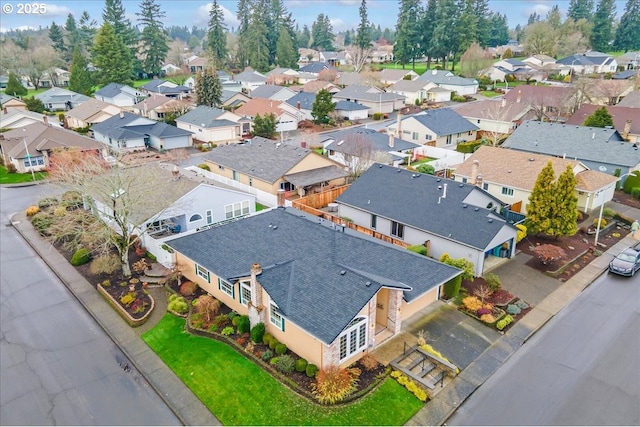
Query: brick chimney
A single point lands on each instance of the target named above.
(257, 313)
(121, 114)
(280, 198)
(627, 129)
(4, 110)
(391, 140)
(474, 171)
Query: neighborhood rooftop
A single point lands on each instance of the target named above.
(319, 276)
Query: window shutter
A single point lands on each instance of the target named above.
(233, 291)
(219, 287)
(282, 322)
(208, 277)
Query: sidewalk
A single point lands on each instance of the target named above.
(186, 406)
(437, 411)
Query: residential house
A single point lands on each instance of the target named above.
(590, 63)
(316, 68)
(440, 127)
(546, 64)
(119, 94)
(156, 107)
(272, 92)
(225, 80)
(626, 120)
(249, 80)
(32, 147)
(57, 77)
(516, 49)
(331, 296)
(307, 55)
(282, 76)
(448, 80)
(301, 105)
(89, 113)
(15, 118)
(413, 91)
(519, 70)
(381, 54)
(549, 103)
(631, 100)
(169, 69)
(334, 59)
(359, 148)
(271, 166)
(59, 99)
(510, 176)
(418, 209)
(389, 76)
(8, 101)
(626, 75)
(166, 88)
(231, 99)
(629, 60)
(495, 118)
(4, 79)
(599, 149)
(130, 132)
(349, 78)
(436, 93)
(316, 86)
(285, 120)
(607, 92)
(377, 100)
(304, 77)
(213, 125)
(197, 65)
(350, 110)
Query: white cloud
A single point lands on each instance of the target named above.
(201, 16)
(55, 10)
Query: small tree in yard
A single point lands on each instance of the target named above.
(548, 253)
(264, 126)
(540, 201)
(599, 119)
(322, 106)
(14, 86)
(123, 199)
(564, 221)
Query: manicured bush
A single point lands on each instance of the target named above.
(81, 257)
(405, 381)
(452, 287)
(285, 364)
(513, 309)
(504, 322)
(221, 320)
(521, 232)
(243, 324)
(273, 343)
(178, 304)
(523, 305)
(228, 331)
(188, 288)
(493, 281)
(204, 166)
(266, 339)
(608, 213)
(333, 385)
(267, 355)
(603, 222)
(311, 370)
(468, 147)
(377, 116)
(32, 210)
(488, 318)
(632, 181)
(635, 192)
(369, 362)
(71, 200)
(281, 348)
(301, 365)
(107, 264)
(419, 249)
(257, 333)
(232, 315)
(46, 202)
(483, 311)
(472, 304)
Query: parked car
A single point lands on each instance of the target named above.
(627, 262)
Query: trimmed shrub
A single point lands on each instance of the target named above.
(266, 339)
(405, 381)
(60, 211)
(81, 257)
(46, 202)
(243, 324)
(228, 331)
(504, 322)
(635, 192)
(513, 309)
(333, 385)
(273, 343)
(603, 222)
(523, 305)
(452, 287)
(232, 315)
(521, 233)
(204, 166)
(632, 181)
(419, 249)
(285, 364)
(107, 264)
(493, 281)
(301, 365)
(311, 370)
(257, 333)
(369, 362)
(178, 304)
(608, 212)
(221, 320)
(281, 348)
(483, 311)
(188, 288)
(468, 147)
(267, 355)
(32, 210)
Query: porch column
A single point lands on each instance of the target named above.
(394, 315)
(372, 322)
(257, 311)
(331, 354)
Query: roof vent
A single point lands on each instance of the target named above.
(531, 159)
(367, 283)
(380, 166)
(275, 227)
(343, 272)
(460, 185)
(399, 170)
(476, 209)
(490, 220)
(438, 180)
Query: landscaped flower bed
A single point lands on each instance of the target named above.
(134, 306)
(483, 311)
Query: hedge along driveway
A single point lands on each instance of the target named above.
(239, 392)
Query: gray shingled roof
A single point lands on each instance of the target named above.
(316, 176)
(349, 106)
(412, 199)
(266, 91)
(352, 138)
(305, 99)
(443, 121)
(202, 116)
(358, 92)
(302, 263)
(584, 143)
(264, 159)
(114, 89)
(118, 127)
(440, 77)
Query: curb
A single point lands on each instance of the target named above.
(16, 222)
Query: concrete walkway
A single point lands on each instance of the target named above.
(186, 406)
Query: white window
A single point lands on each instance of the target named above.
(245, 207)
(226, 287)
(507, 191)
(245, 292)
(236, 210)
(209, 217)
(414, 136)
(354, 338)
(275, 317)
(202, 272)
(195, 217)
(397, 229)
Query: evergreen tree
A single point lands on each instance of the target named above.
(533, 18)
(73, 34)
(628, 32)
(80, 80)
(322, 33)
(87, 29)
(34, 104)
(14, 87)
(444, 40)
(538, 219)
(208, 88)
(426, 25)
(244, 18)
(286, 52)
(467, 25)
(57, 38)
(115, 15)
(111, 57)
(602, 33)
(216, 37)
(408, 37)
(484, 23)
(257, 42)
(599, 119)
(363, 35)
(499, 34)
(564, 218)
(153, 39)
(304, 37)
(580, 9)
(322, 107)
(347, 38)
(264, 126)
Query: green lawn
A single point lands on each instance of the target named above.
(17, 178)
(260, 207)
(239, 392)
(490, 93)
(139, 83)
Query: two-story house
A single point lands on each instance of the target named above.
(441, 127)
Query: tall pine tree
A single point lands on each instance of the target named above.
(115, 15)
(538, 219)
(322, 33)
(628, 32)
(286, 52)
(216, 37)
(580, 9)
(208, 88)
(80, 80)
(257, 42)
(408, 36)
(363, 34)
(564, 212)
(602, 33)
(57, 38)
(154, 44)
(111, 57)
(14, 86)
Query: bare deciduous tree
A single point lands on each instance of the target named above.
(358, 154)
(474, 59)
(359, 56)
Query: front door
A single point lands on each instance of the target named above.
(382, 309)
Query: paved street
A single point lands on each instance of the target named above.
(57, 366)
(582, 368)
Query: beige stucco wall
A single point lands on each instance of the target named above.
(409, 309)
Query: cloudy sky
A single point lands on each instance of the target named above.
(342, 13)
